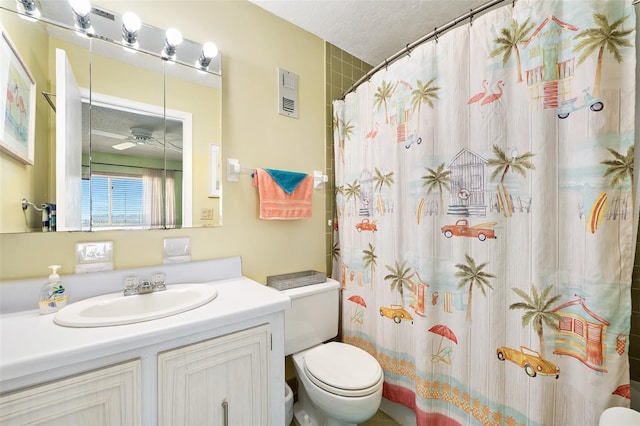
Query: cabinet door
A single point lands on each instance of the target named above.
(109, 396)
(222, 381)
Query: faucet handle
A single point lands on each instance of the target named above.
(131, 285)
(158, 281)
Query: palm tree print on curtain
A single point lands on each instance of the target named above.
(620, 168)
(425, 94)
(370, 261)
(352, 192)
(400, 279)
(472, 275)
(345, 131)
(604, 35)
(382, 179)
(538, 312)
(440, 179)
(382, 97)
(508, 43)
(502, 164)
(516, 168)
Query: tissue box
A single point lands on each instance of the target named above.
(296, 279)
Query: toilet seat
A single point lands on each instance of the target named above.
(343, 369)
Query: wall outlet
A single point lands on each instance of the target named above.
(206, 214)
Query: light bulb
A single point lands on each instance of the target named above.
(173, 37)
(209, 50)
(131, 22)
(130, 26)
(81, 7)
(81, 10)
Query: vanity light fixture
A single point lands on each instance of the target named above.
(29, 9)
(209, 51)
(172, 40)
(81, 10)
(131, 24)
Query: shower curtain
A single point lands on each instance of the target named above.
(485, 216)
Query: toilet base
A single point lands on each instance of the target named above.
(304, 419)
(306, 414)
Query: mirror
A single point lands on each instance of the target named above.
(147, 126)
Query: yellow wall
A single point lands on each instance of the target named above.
(254, 44)
(23, 180)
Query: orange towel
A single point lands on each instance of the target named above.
(275, 203)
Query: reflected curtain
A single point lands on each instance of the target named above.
(170, 187)
(159, 185)
(153, 195)
(484, 202)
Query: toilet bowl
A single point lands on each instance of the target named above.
(340, 385)
(288, 405)
(619, 416)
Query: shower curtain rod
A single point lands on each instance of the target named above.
(435, 33)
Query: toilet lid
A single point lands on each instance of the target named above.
(343, 369)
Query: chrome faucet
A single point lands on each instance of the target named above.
(133, 286)
(145, 287)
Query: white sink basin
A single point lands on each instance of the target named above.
(116, 309)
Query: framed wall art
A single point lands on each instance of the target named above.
(18, 105)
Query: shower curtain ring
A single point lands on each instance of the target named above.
(436, 31)
(471, 17)
(386, 64)
(408, 50)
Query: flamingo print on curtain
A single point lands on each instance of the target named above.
(484, 197)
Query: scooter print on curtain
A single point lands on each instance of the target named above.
(485, 206)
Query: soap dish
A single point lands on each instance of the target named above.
(296, 279)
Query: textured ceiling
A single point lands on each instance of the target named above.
(114, 126)
(371, 30)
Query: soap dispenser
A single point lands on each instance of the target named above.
(53, 295)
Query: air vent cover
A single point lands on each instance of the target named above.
(287, 93)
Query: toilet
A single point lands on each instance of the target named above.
(338, 384)
(619, 416)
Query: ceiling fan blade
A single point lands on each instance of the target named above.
(163, 144)
(124, 145)
(108, 134)
(173, 147)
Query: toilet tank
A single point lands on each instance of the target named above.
(313, 316)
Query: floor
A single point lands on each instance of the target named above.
(380, 419)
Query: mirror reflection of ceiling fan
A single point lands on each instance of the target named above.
(139, 136)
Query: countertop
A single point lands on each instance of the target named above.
(32, 343)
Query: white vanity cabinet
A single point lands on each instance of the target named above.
(177, 370)
(221, 381)
(107, 396)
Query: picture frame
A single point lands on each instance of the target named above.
(17, 103)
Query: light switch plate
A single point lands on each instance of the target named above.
(94, 256)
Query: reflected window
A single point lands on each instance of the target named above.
(116, 201)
